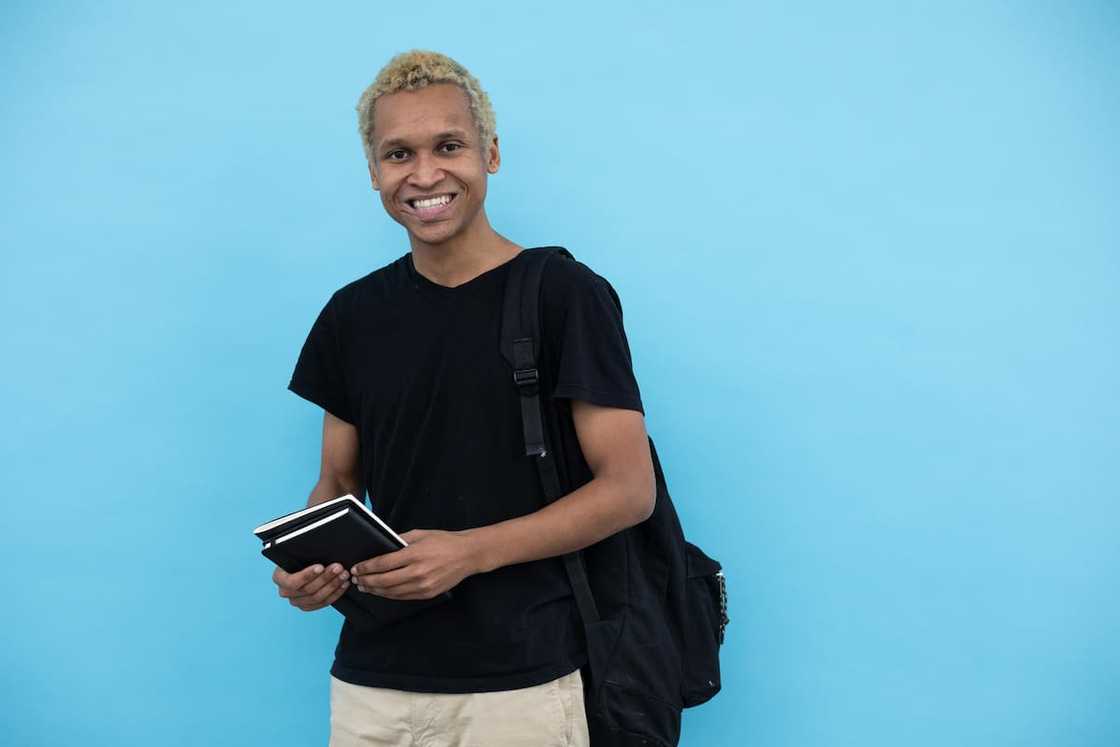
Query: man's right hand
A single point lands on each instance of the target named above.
(314, 587)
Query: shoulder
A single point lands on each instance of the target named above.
(566, 279)
(574, 294)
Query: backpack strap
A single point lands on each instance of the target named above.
(520, 345)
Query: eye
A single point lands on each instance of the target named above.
(392, 155)
(453, 147)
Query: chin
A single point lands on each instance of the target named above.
(434, 237)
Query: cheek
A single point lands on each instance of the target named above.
(480, 186)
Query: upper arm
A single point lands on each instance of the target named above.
(340, 462)
(616, 448)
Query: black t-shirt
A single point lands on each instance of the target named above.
(416, 367)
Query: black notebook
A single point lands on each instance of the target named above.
(343, 531)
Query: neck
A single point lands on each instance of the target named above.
(463, 257)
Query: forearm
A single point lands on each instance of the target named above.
(585, 516)
(329, 488)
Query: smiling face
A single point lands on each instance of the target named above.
(430, 166)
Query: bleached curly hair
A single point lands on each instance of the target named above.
(415, 69)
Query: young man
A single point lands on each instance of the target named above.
(421, 412)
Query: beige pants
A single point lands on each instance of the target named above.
(548, 715)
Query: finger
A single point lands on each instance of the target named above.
(327, 595)
(409, 591)
(320, 598)
(337, 593)
(280, 577)
(378, 583)
(333, 573)
(292, 585)
(382, 563)
(311, 581)
(293, 581)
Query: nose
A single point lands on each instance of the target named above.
(427, 173)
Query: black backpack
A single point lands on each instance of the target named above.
(659, 652)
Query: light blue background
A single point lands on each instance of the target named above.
(868, 257)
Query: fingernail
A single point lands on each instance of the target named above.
(318, 569)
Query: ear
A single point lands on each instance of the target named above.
(373, 177)
(493, 157)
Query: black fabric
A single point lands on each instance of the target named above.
(520, 343)
(416, 368)
(658, 650)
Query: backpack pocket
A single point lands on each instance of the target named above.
(706, 607)
(629, 703)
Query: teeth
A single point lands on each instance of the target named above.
(432, 202)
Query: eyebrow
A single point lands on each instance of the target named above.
(392, 142)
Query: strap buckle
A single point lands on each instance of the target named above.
(525, 376)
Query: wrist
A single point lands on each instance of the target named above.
(481, 555)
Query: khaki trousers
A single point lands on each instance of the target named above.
(547, 715)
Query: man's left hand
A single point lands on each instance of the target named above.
(433, 562)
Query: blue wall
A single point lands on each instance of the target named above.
(868, 258)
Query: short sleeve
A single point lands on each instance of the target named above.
(592, 355)
(319, 375)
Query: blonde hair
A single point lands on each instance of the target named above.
(415, 69)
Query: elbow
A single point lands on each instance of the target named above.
(646, 499)
(628, 500)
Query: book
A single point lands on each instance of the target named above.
(343, 530)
